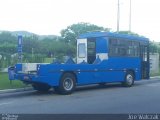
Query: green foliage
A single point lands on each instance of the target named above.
(72, 32)
(154, 47)
(129, 32)
(6, 37)
(48, 60)
(36, 48)
(5, 83)
(33, 58)
(47, 48)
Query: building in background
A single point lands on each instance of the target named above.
(154, 63)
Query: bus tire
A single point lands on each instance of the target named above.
(129, 79)
(67, 84)
(41, 87)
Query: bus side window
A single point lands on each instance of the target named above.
(122, 52)
(123, 48)
(133, 49)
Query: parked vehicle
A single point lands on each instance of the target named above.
(102, 57)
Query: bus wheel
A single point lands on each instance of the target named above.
(129, 79)
(67, 84)
(41, 87)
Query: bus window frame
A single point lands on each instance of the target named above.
(127, 55)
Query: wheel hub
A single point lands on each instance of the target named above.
(129, 79)
(68, 84)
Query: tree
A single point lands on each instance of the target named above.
(129, 32)
(73, 31)
(154, 48)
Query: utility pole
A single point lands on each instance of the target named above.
(20, 48)
(118, 16)
(130, 15)
(32, 54)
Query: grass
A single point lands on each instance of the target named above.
(154, 74)
(6, 84)
(48, 60)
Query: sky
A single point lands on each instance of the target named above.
(51, 16)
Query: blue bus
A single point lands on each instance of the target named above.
(102, 57)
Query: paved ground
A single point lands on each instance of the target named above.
(143, 97)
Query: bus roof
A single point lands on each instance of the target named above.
(112, 35)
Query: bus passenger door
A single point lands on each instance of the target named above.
(144, 54)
